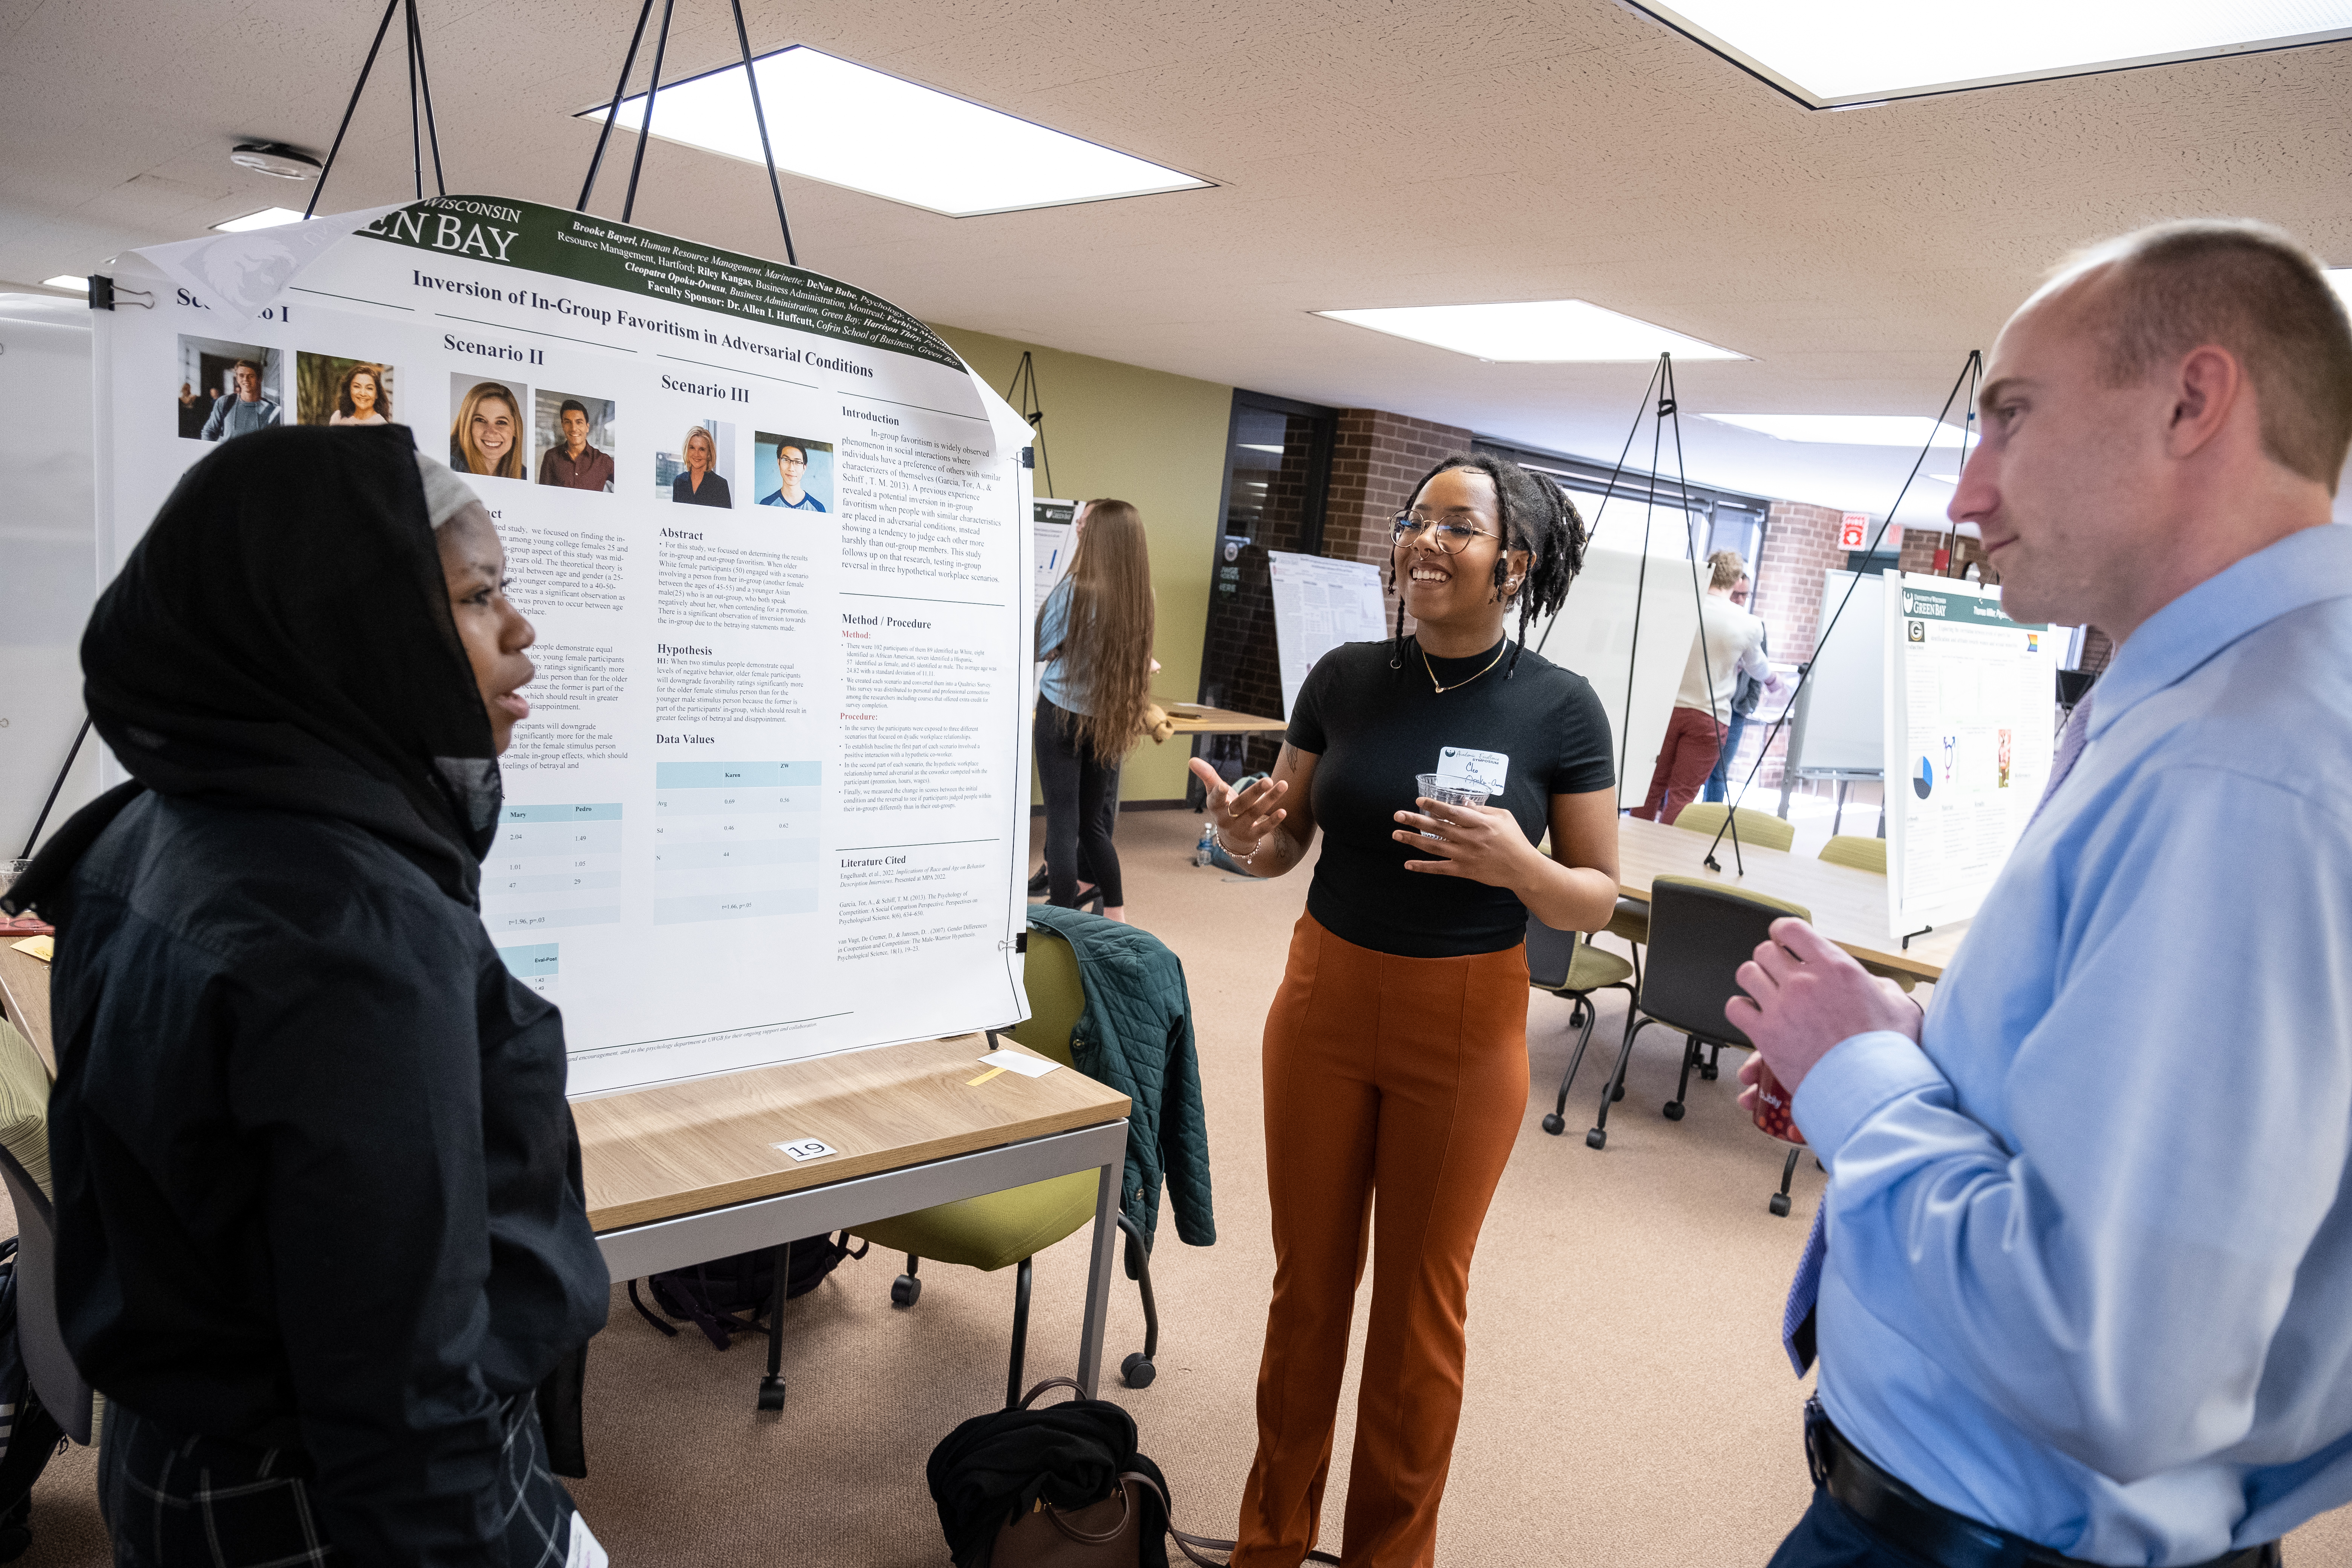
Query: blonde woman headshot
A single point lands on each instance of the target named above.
(486, 435)
(700, 485)
(362, 398)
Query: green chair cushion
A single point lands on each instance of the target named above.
(1058, 998)
(1631, 922)
(995, 1229)
(1758, 828)
(1852, 849)
(23, 1104)
(1592, 969)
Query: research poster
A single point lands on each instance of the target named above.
(1318, 603)
(1970, 699)
(773, 798)
(1054, 540)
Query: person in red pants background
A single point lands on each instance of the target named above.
(1728, 641)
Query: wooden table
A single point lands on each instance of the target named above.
(25, 993)
(1192, 719)
(687, 1172)
(1849, 906)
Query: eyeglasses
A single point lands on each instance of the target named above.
(1447, 537)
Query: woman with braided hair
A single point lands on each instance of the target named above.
(1395, 1055)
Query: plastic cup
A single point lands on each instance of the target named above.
(1772, 1106)
(1446, 795)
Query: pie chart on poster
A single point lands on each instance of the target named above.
(1923, 779)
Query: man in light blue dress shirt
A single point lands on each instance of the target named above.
(2087, 1294)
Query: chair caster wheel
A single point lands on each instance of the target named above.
(905, 1290)
(1780, 1204)
(1136, 1371)
(1617, 1094)
(1597, 1138)
(1555, 1124)
(1710, 1074)
(771, 1394)
(1673, 1110)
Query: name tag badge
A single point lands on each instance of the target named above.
(1466, 768)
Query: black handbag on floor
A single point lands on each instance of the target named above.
(1062, 1486)
(727, 1296)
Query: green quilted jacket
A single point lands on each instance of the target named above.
(1135, 1035)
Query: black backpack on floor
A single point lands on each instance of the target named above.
(29, 1436)
(728, 1296)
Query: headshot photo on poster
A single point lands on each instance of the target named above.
(572, 434)
(228, 388)
(332, 390)
(793, 472)
(487, 431)
(697, 471)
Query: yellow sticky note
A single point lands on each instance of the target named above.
(43, 947)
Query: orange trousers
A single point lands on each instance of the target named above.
(1407, 1078)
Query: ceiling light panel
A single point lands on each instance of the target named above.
(1544, 331)
(268, 217)
(1830, 54)
(1846, 429)
(842, 124)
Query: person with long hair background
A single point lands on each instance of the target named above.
(1094, 636)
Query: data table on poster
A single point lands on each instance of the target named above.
(734, 840)
(553, 866)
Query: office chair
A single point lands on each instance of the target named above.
(1701, 931)
(25, 1167)
(1757, 829)
(1563, 964)
(1866, 854)
(997, 1229)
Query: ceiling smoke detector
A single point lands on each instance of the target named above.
(274, 159)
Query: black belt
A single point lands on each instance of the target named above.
(1903, 1519)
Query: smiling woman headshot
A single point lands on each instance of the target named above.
(362, 398)
(486, 435)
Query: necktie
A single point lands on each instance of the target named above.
(1805, 1289)
(2070, 747)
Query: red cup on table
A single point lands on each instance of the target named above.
(1772, 1106)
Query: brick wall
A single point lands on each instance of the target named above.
(1376, 459)
(1800, 544)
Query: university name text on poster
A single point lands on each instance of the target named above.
(775, 541)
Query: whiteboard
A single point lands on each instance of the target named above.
(1841, 719)
(49, 559)
(1319, 603)
(1593, 636)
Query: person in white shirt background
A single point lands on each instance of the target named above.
(1729, 642)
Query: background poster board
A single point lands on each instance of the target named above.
(773, 798)
(1318, 603)
(1593, 636)
(1054, 540)
(1970, 699)
(1840, 722)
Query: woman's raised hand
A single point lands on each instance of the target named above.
(1244, 817)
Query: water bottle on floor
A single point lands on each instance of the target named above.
(1204, 851)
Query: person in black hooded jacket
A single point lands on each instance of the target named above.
(321, 1234)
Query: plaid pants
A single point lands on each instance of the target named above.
(205, 1502)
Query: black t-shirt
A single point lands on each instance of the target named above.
(1375, 728)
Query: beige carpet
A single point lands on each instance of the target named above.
(1628, 1402)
